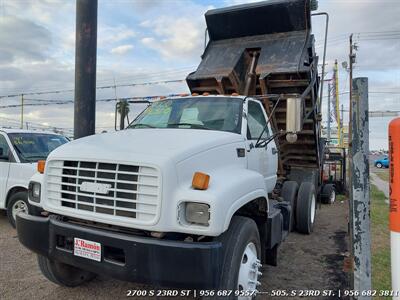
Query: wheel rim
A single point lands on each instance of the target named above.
(379, 165)
(249, 270)
(312, 209)
(332, 197)
(19, 206)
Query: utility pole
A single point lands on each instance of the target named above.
(85, 68)
(359, 189)
(351, 60)
(22, 111)
(337, 112)
(341, 122)
(329, 113)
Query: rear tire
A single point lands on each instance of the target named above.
(306, 206)
(242, 253)
(63, 274)
(379, 165)
(328, 195)
(289, 194)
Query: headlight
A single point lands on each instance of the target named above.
(198, 213)
(34, 191)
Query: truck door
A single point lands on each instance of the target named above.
(4, 168)
(262, 159)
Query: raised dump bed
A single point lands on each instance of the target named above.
(267, 49)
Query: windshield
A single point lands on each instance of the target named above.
(214, 113)
(32, 147)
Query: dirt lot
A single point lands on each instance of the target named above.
(305, 262)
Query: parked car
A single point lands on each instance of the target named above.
(382, 163)
(20, 150)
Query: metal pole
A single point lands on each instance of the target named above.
(359, 188)
(22, 111)
(329, 113)
(85, 68)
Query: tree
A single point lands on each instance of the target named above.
(123, 111)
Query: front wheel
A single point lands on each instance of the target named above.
(241, 259)
(379, 165)
(62, 274)
(17, 203)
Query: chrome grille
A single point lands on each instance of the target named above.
(121, 190)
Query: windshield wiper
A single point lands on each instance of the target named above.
(200, 126)
(141, 124)
(267, 140)
(35, 156)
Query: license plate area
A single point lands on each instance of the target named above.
(87, 249)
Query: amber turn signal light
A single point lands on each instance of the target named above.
(40, 166)
(200, 181)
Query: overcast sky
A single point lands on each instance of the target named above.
(142, 41)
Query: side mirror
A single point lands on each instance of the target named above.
(294, 117)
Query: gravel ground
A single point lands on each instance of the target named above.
(305, 262)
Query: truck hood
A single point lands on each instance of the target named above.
(147, 145)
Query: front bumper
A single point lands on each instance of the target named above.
(123, 256)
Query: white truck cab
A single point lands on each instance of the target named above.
(19, 152)
(136, 192)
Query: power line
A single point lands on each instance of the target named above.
(45, 102)
(99, 87)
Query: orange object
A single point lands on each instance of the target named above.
(235, 94)
(200, 181)
(40, 166)
(195, 94)
(394, 171)
(206, 94)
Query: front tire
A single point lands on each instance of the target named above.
(379, 165)
(241, 258)
(18, 202)
(62, 274)
(306, 206)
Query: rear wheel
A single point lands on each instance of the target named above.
(289, 194)
(241, 259)
(379, 165)
(305, 209)
(328, 195)
(62, 274)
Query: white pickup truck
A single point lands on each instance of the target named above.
(179, 198)
(19, 152)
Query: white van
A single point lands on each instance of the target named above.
(19, 152)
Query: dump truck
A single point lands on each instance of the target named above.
(200, 190)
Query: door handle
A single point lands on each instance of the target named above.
(274, 151)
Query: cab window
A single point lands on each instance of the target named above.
(256, 121)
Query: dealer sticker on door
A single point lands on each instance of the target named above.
(87, 249)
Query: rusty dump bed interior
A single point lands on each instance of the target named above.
(266, 48)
